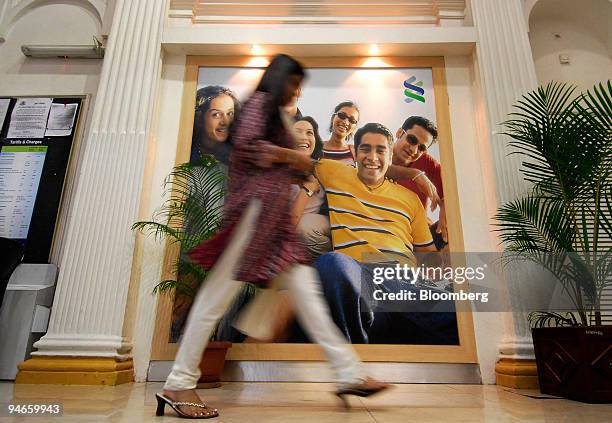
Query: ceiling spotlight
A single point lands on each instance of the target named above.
(374, 50)
(375, 62)
(256, 50)
(258, 62)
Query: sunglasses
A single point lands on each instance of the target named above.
(344, 116)
(413, 140)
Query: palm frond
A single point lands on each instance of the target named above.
(533, 223)
(165, 286)
(544, 319)
(191, 214)
(159, 231)
(557, 139)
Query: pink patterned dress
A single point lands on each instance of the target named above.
(276, 244)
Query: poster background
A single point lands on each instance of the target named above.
(380, 96)
(379, 93)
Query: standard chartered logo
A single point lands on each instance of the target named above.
(414, 90)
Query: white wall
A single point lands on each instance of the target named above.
(579, 29)
(161, 160)
(471, 175)
(49, 24)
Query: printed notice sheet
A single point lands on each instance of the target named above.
(4, 104)
(29, 118)
(61, 120)
(20, 171)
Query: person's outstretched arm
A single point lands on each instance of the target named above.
(269, 155)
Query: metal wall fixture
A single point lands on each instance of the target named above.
(95, 51)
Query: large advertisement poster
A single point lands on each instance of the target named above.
(332, 105)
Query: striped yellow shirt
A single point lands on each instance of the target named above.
(372, 225)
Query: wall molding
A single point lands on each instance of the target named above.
(392, 12)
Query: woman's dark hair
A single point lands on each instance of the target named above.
(204, 98)
(337, 109)
(274, 82)
(276, 75)
(317, 153)
(373, 128)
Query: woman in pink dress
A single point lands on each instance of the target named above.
(256, 243)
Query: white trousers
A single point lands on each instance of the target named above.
(219, 291)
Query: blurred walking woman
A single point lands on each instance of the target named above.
(258, 242)
(342, 127)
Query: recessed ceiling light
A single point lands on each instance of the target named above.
(258, 62)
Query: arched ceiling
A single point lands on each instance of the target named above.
(594, 14)
(12, 10)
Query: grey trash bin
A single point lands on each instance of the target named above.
(24, 315)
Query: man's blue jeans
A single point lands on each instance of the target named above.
(342, 278)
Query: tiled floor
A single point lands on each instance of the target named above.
(307, 402)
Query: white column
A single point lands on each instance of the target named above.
(507, 71)
(90, 300)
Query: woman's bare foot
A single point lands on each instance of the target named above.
(189, 395)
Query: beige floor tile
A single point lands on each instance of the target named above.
(440, 415)
(309, 402)
(424, 400)
(423, 388)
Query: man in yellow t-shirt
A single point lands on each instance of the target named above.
(374, 220)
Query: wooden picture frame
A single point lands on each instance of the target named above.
(465, 352)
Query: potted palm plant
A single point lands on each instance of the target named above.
(190, 215)
(564, 223)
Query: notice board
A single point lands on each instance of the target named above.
(36, 139)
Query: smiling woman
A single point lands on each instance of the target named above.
(216, 108)
(308, 197)
(306, 132)
(342, 126)
(218, 118)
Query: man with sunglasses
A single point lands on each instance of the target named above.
(414, 138)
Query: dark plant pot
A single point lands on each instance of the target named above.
(575, 363)
(212, 364)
